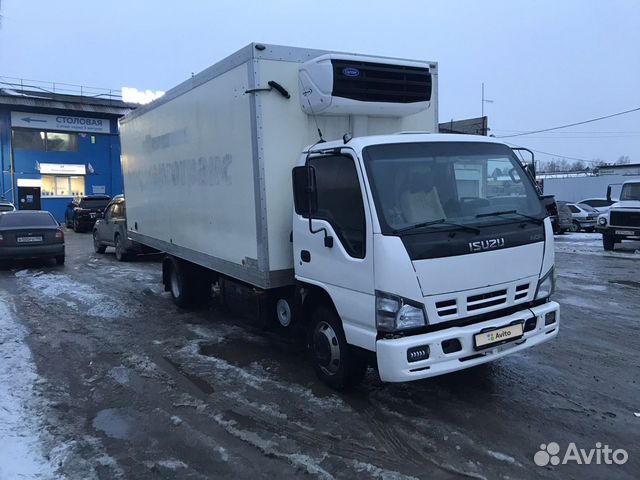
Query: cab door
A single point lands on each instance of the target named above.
(343, 264)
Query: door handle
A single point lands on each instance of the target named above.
(305, 256)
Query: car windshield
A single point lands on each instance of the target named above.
(6, 208)
(27, 219)
(466, 183)
(94, 202)
(587, 207)
(630, 191)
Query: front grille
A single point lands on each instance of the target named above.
(625, 219)
(380, 82)
(447, 307)
(522, 291)
(484, 300)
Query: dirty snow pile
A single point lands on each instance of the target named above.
(20, 448)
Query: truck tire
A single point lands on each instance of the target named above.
(187, 285)
(336, 363)
(608, 242)
(98, 247)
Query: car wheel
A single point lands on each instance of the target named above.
(575, 226)
(60, 260)
(76, 225)
(589, 230)
(121, 253)
(608, 242)
(97, 246)
(334, 360)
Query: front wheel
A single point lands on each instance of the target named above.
(334, 360)
(575, 226)
(608, 242)
(76, 225)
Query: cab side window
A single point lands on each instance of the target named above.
(340, 200)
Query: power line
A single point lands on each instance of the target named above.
(557, 155)
(571, 131)
(572, 124)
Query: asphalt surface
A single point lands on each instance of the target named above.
(128, 386)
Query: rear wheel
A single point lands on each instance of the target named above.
(608, 242)
(76, 225)
(97, 245)
(121, 253)
(334, 360)
(575, 226)
(60, 260)
(187, 284)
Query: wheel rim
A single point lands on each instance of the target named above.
(283, 310)
(326, 348)
(175, 283)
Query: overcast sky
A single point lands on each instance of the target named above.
(544, 63)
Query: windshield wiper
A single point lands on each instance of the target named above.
(418, 226)
(508, 212)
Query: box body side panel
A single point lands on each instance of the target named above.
(188, 171)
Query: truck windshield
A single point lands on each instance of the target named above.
(464, 183)
(630, 191)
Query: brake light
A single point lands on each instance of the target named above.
(59, 235)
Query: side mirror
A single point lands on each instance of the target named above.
(305, 198)
(305, 195)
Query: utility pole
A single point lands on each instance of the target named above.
(484, 100)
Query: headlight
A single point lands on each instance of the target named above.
(395, 313)
(602, 221)
(546, 285)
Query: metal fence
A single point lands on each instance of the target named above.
(28, 86)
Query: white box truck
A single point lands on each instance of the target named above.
(311, 179)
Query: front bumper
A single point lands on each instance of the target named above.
(393, 365)
(630, 232)
(24, 252)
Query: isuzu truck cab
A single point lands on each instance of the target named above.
(434, 252)
(312, 187)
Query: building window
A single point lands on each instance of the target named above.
(25, 139)
(62, 186)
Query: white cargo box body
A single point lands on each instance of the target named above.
(207, 167)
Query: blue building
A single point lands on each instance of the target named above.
(54, 147)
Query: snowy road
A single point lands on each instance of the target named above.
(102, 377)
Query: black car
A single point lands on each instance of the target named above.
(6, 206)
(111, 231)
(30, 234)
(83, 212)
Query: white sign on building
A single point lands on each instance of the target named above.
(69, 123)
(62, 169)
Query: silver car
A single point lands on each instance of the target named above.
(602, 205)
(584, 217)
(111, 231)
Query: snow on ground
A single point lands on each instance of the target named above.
(591, 244)
(21, 454)
(57, 286)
